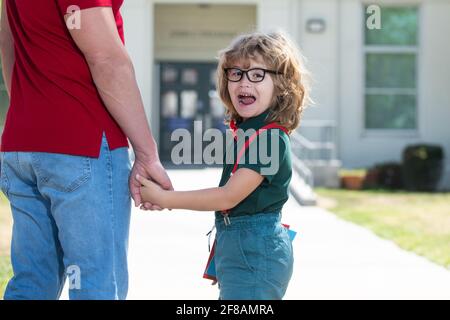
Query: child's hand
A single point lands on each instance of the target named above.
(150, 191)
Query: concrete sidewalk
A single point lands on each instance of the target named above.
(334, 259)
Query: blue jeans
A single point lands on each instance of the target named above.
(254, 257)
(71, 219)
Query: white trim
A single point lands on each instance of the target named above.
(393, 3)
(370, 48)
(156, 107)
(392, 91)
(420, 34)
(362, 109)
(389, 133)
(339, 68)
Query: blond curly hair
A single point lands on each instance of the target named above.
(291, 84)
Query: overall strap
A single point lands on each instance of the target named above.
(252, 138)
(273, 125)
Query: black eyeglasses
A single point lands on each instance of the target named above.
(253, 75)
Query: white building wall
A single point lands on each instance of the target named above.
(138, 24)
(336, 60)
(359, 148)
(276, 15)
(138, 18)
(322, 53)
(434, 96)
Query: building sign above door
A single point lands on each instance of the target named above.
(197, 33)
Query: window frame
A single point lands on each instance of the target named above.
(392, 49)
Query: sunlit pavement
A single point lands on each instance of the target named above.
(334, 259)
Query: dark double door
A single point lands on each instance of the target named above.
(187, 95)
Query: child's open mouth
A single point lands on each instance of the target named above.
(246, 99)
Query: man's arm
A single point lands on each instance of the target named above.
(114, 76)
(6, 49)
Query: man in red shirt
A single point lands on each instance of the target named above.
(65, 165)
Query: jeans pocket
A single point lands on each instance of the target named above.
(4, 182)
(280, 258)
(251, 250)
(230, 254)
(61, 172)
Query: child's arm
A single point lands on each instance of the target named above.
(239, 187)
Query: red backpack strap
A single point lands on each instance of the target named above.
(246, 146)
(274, 125)
(252, 138)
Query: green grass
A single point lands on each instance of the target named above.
(5, 273)
(417, 222)
(5, 238)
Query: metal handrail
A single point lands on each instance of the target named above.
(323, 150)
(307, 152)
(304, 142)
(303, 171)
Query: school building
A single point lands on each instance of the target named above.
(375, 90)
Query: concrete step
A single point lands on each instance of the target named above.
(301, 191)
(325, 173)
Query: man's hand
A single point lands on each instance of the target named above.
(152, 170)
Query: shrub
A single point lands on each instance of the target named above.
(423, 166)
(384, 176)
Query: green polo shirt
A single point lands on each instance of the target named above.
(274, 164)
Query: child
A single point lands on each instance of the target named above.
(261, 81)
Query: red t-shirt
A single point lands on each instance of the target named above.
(55, 105)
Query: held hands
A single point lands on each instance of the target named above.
(152, 169)
(151, 192)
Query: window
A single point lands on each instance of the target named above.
(169, 104)
(391, 71)
(190, 77)
(189, 103)
(169, 74)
